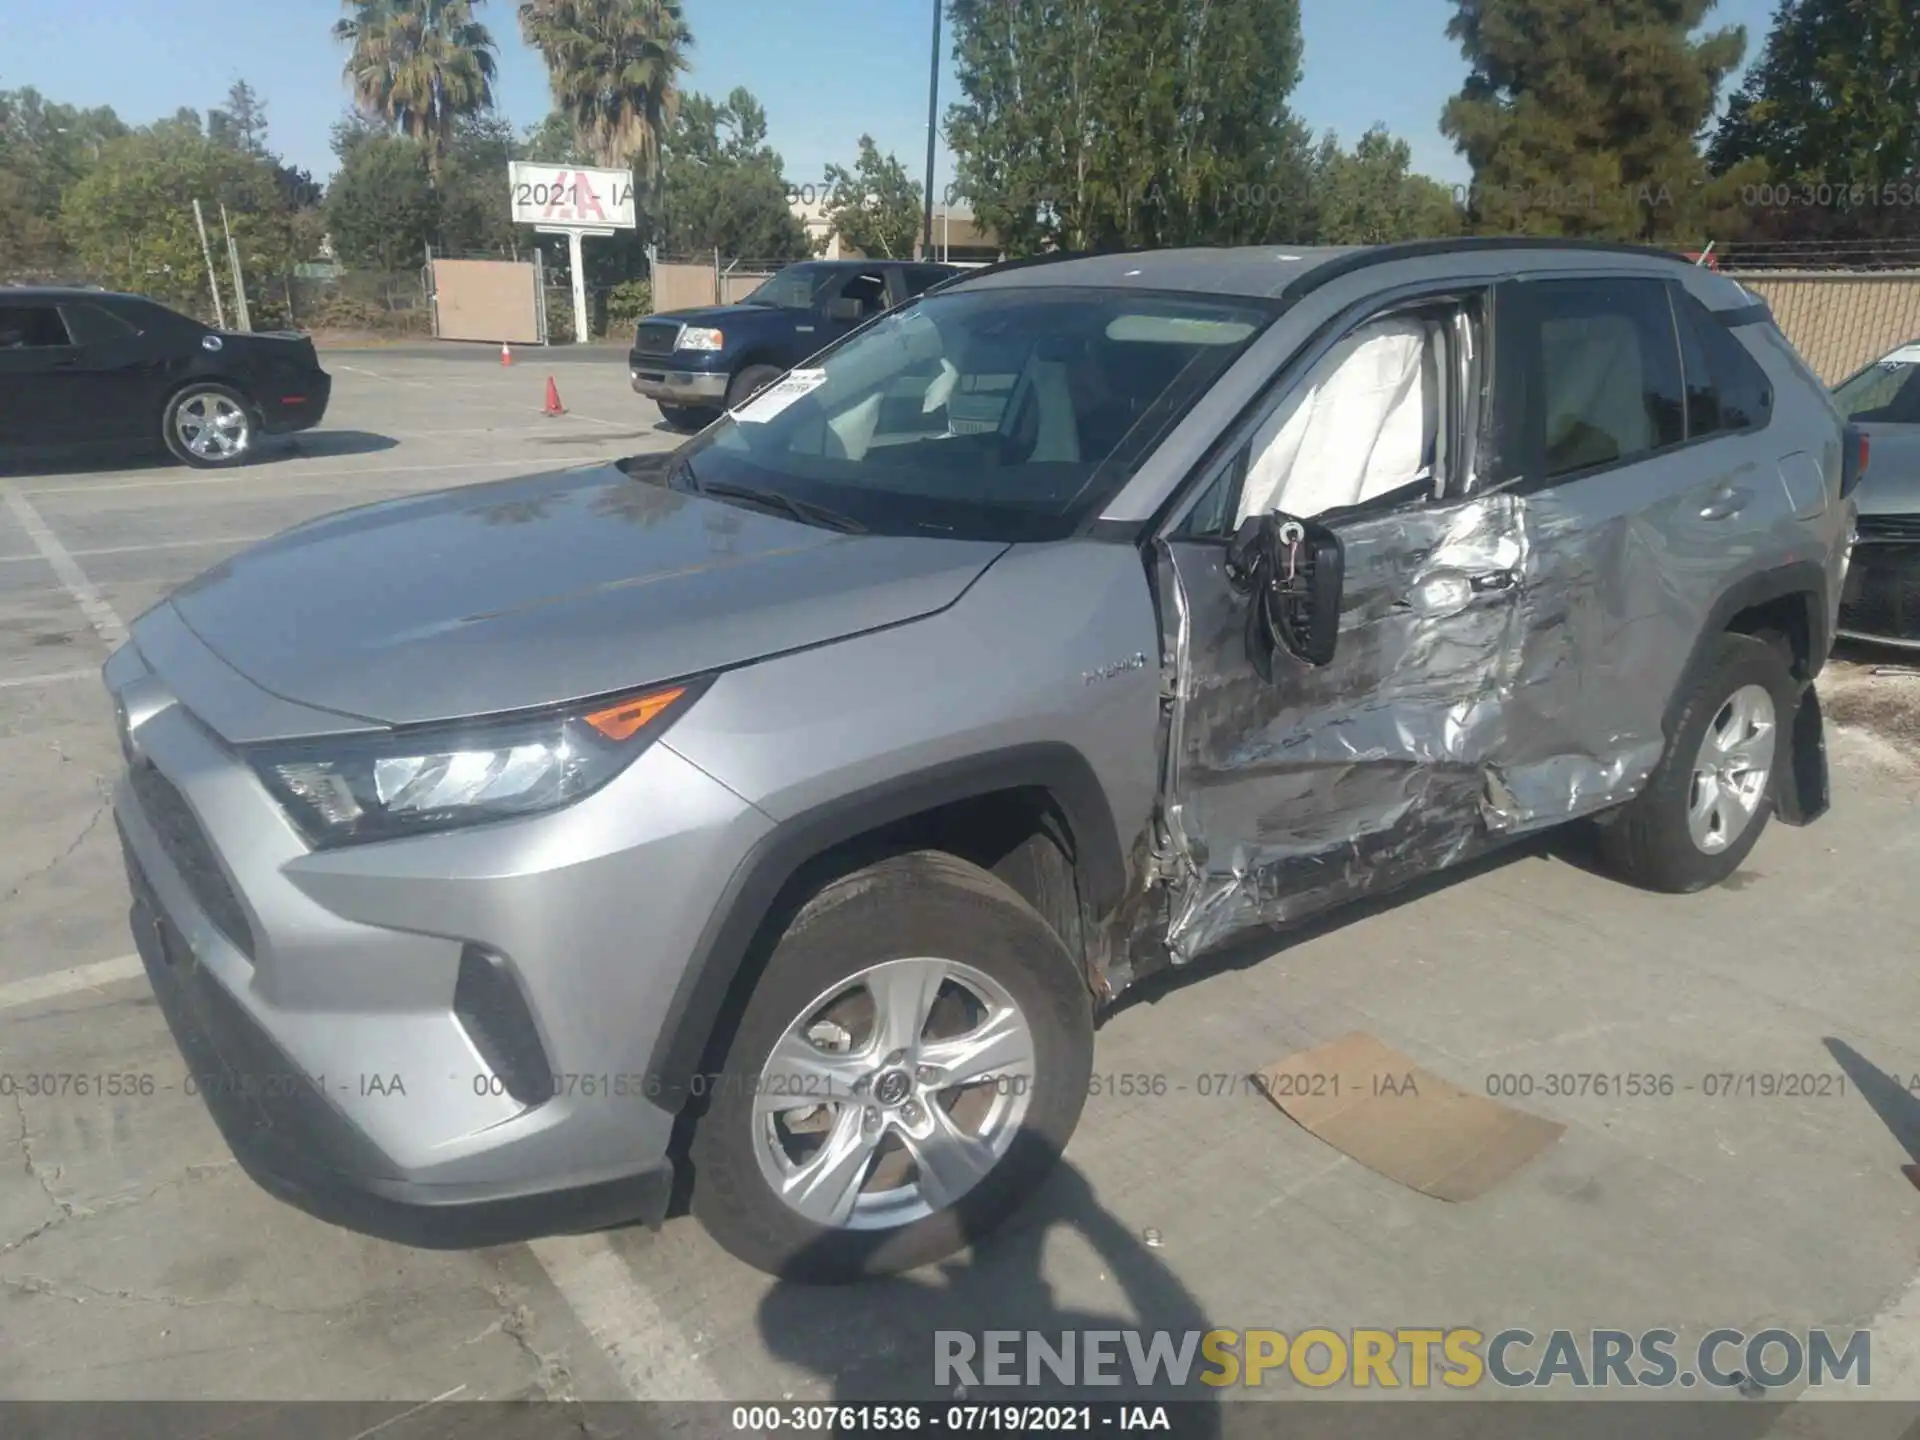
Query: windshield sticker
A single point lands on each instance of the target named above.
(775, 398)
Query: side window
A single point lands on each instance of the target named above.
(95, 325)
(31, 327)
(1607, 363)
(869, 287)
(917, 278)
(1368, 423)
(1726, 388)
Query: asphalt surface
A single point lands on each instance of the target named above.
(135, 1261)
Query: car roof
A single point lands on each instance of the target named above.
(1288, 271)
(63, 292)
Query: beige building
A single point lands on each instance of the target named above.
(956, 237)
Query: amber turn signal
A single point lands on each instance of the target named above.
(630, 717)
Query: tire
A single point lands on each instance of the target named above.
(209, 426)
(687, 419)
(750, 382)
(894, 1215)
(1651, 842)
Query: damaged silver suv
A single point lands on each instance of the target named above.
(777, 814)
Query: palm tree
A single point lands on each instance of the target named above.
(614, 66)
(419, 65)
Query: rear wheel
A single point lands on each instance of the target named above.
(1708, 800)
(750, 382)
(208, 426)
(908, 1068)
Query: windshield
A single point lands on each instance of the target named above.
(794, 288)
(1002, 414)
(1888, 390)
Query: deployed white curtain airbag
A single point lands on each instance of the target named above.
(1359, 428)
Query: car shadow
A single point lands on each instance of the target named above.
(327, 444)
(877, 1340)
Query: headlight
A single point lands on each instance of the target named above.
(694, 338)
(352, 788)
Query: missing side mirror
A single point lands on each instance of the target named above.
(1293, 571)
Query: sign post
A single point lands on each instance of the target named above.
(575, 202)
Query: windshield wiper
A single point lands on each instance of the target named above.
(804, 511)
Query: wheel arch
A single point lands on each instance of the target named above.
(978, 797)
(1786, 607)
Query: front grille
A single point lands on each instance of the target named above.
(187, 847)
(1882, 596)
(1890, 527)
(657, 338)
(491, 1009)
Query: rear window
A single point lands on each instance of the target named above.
(1726, 388)
(1887, 391)
(987, 414)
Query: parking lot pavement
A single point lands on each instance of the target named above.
(135, 1261)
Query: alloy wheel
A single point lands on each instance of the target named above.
(212, 427)
(1731, 770)
(893, 1094)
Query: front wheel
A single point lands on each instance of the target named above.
(1711, 795)
(686, 419)
(910, 1065)
(749, 383)
(208, 426)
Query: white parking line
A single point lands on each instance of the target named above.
(99, 613)
(25, 682)
(640, 1340)
(290, 469)
(36, 988)
(142, 549)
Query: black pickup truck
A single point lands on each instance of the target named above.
(695, 363)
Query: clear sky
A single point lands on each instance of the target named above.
(825, 70)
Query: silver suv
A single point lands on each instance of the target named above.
(779, 813)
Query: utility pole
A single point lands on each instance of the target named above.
(213, 282)
(933, 133)
(241, 313)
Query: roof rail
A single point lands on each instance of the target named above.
(1361, 258)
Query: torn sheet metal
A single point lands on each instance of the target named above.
(1452, 713)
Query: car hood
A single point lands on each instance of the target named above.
(718, 315)
(555, 587)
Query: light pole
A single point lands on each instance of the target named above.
(933, 131)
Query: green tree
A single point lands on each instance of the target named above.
(1370, 196)
(1833, 101)
(1105, 123)
(554, 141)
(45, 147)
(242, 123)
(474, 214)
(381, 209)
(614, 66)
(1582, 117)
(876, 207)
(130, 222)
(419, 65)
(722, 185)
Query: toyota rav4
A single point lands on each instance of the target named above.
(778, 813)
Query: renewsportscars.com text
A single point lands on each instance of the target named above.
(1401, 1358)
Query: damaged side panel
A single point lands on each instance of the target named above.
(1436, 727)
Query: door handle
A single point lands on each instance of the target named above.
(1494, 581)
(1726, 502)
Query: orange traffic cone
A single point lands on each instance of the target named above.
(554, 407)
(506, 353)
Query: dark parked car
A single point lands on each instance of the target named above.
(1882, 596)
(92, 368)
(695, 363)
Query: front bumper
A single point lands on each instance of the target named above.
(1881, 598)
(315, 995)
(698, 388)
(296, 405)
